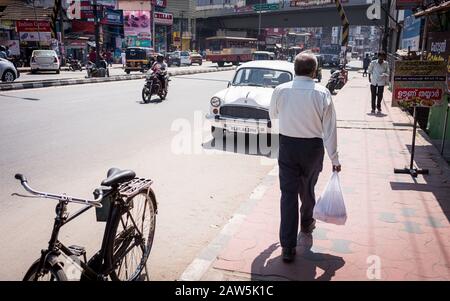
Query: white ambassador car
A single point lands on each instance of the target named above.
(244, 106)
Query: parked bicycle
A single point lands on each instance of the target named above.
(128, 206)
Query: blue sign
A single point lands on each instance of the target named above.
(411, 31)
(113, 17)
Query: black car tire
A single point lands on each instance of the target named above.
(8, 76)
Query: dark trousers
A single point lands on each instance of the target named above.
(377, 94)
(365, 71)
(300, 162)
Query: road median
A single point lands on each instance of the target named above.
(80, 81)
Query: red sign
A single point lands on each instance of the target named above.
(163, 18)
(405, 94)
(408, 3)
(33, 26)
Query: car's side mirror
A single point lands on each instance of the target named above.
(229, 84)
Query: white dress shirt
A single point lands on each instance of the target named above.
(379, 73)
(305, 110)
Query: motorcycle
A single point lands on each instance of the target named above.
(337, 80)
(153, 85)
(97, 71)
(75, 65)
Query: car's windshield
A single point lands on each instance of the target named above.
(262, 77)
(44, 53)
(260, 56)
(184, 53)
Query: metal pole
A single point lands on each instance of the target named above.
(61, 29)
(97, 34)
(386, 27)
(413, 146)
(181, 31)
(445, 130)
(37, 23)
(259, 23)
(153, 6)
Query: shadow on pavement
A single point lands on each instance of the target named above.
(304, 267)
(24, 98)
(246, 144)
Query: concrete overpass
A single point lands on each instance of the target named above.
(323, 13)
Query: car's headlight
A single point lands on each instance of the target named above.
(215, 101)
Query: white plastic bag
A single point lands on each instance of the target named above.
(330, 207)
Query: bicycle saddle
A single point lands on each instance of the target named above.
(116, 176)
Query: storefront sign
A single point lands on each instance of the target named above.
(31, 26)
(411, 31)
(13, 46)
(163, 18)
(137, 23)
(420, 83)
(135, 41)
(400, 4)
(113, 17)
(439, 50)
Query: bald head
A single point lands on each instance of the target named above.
(305, 64)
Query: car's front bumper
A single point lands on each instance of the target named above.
(237, 125)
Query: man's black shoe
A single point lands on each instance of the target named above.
(288, 254)
(309, 229)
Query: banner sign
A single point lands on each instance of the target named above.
(163, 18)
(13, 46)
(439, 50)
(420, 83)
(311, 3)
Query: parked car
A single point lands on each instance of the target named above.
(244, 105)
(179, 58)
(196, 58)
(8, 72)
(263, 55)
(44, 60)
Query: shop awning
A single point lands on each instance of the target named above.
(444, 6)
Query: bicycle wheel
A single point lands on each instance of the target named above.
(132, 238)
(51, 273)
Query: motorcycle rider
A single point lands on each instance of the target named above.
(159, 64)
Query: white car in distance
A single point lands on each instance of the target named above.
(243, 107)
(44, 60)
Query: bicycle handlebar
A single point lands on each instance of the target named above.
(60, 197)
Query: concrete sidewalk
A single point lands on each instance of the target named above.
(397, 228)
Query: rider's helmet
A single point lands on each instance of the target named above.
(159, 58)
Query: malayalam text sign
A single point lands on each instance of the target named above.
(420, 83)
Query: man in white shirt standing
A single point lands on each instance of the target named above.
(378, 78)
(307, 122)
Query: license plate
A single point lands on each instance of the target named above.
(242, 129)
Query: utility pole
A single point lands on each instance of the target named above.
(386, 27)
(37, 23)
(61, 29)
(97, 34)
(259, 23)
(153, 6)
(181, 30)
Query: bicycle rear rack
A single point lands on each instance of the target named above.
(131, 188)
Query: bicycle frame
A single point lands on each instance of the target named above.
(55, 247)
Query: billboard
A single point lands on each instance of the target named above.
(420, 83)
(137, 23)
(163, 18)
(411, 31)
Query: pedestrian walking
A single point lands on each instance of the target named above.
(307, 122)
(366, 63)
(378, 78)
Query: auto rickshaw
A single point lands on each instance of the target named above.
(138, 59)
(319, 67)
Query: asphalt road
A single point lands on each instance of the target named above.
(64, 139)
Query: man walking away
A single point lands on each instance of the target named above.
(307, 121)
(378, 78)
(366, 63)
